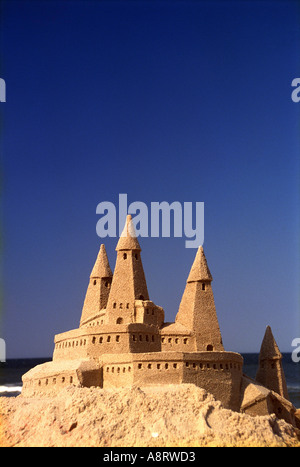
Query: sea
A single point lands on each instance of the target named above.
(12, 370)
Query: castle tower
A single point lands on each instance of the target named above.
(98, 289)
(270, 371)
(197, 310)
(129, 283)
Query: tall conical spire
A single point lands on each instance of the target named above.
(129, 283)
(270, 371)
(197, 310)
(269, 348)
(128, 239)
(101, 267)
(200, 270)
(98, 289)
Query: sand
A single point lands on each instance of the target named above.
(163, 416)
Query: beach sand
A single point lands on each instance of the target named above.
(163, 416)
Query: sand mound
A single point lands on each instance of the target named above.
(181, 415)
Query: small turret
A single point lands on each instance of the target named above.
(270, 371)
(98, 290)
(197, 311)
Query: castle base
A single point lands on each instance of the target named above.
(219, 373)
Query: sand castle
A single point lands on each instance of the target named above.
(122, 340)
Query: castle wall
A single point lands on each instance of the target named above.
(141, 369)
(94, 341)
(178, 343)
(71, 345)
(96, 320)
(51, 377)
(217, 372)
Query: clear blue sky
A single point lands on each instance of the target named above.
(165, 101)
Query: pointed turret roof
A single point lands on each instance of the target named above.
(128, 239)
(270, 371)
(200, 270)
(101, 267)
(269, 349)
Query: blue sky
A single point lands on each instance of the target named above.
(165, 101)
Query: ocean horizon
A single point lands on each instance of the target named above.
(12, 370)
